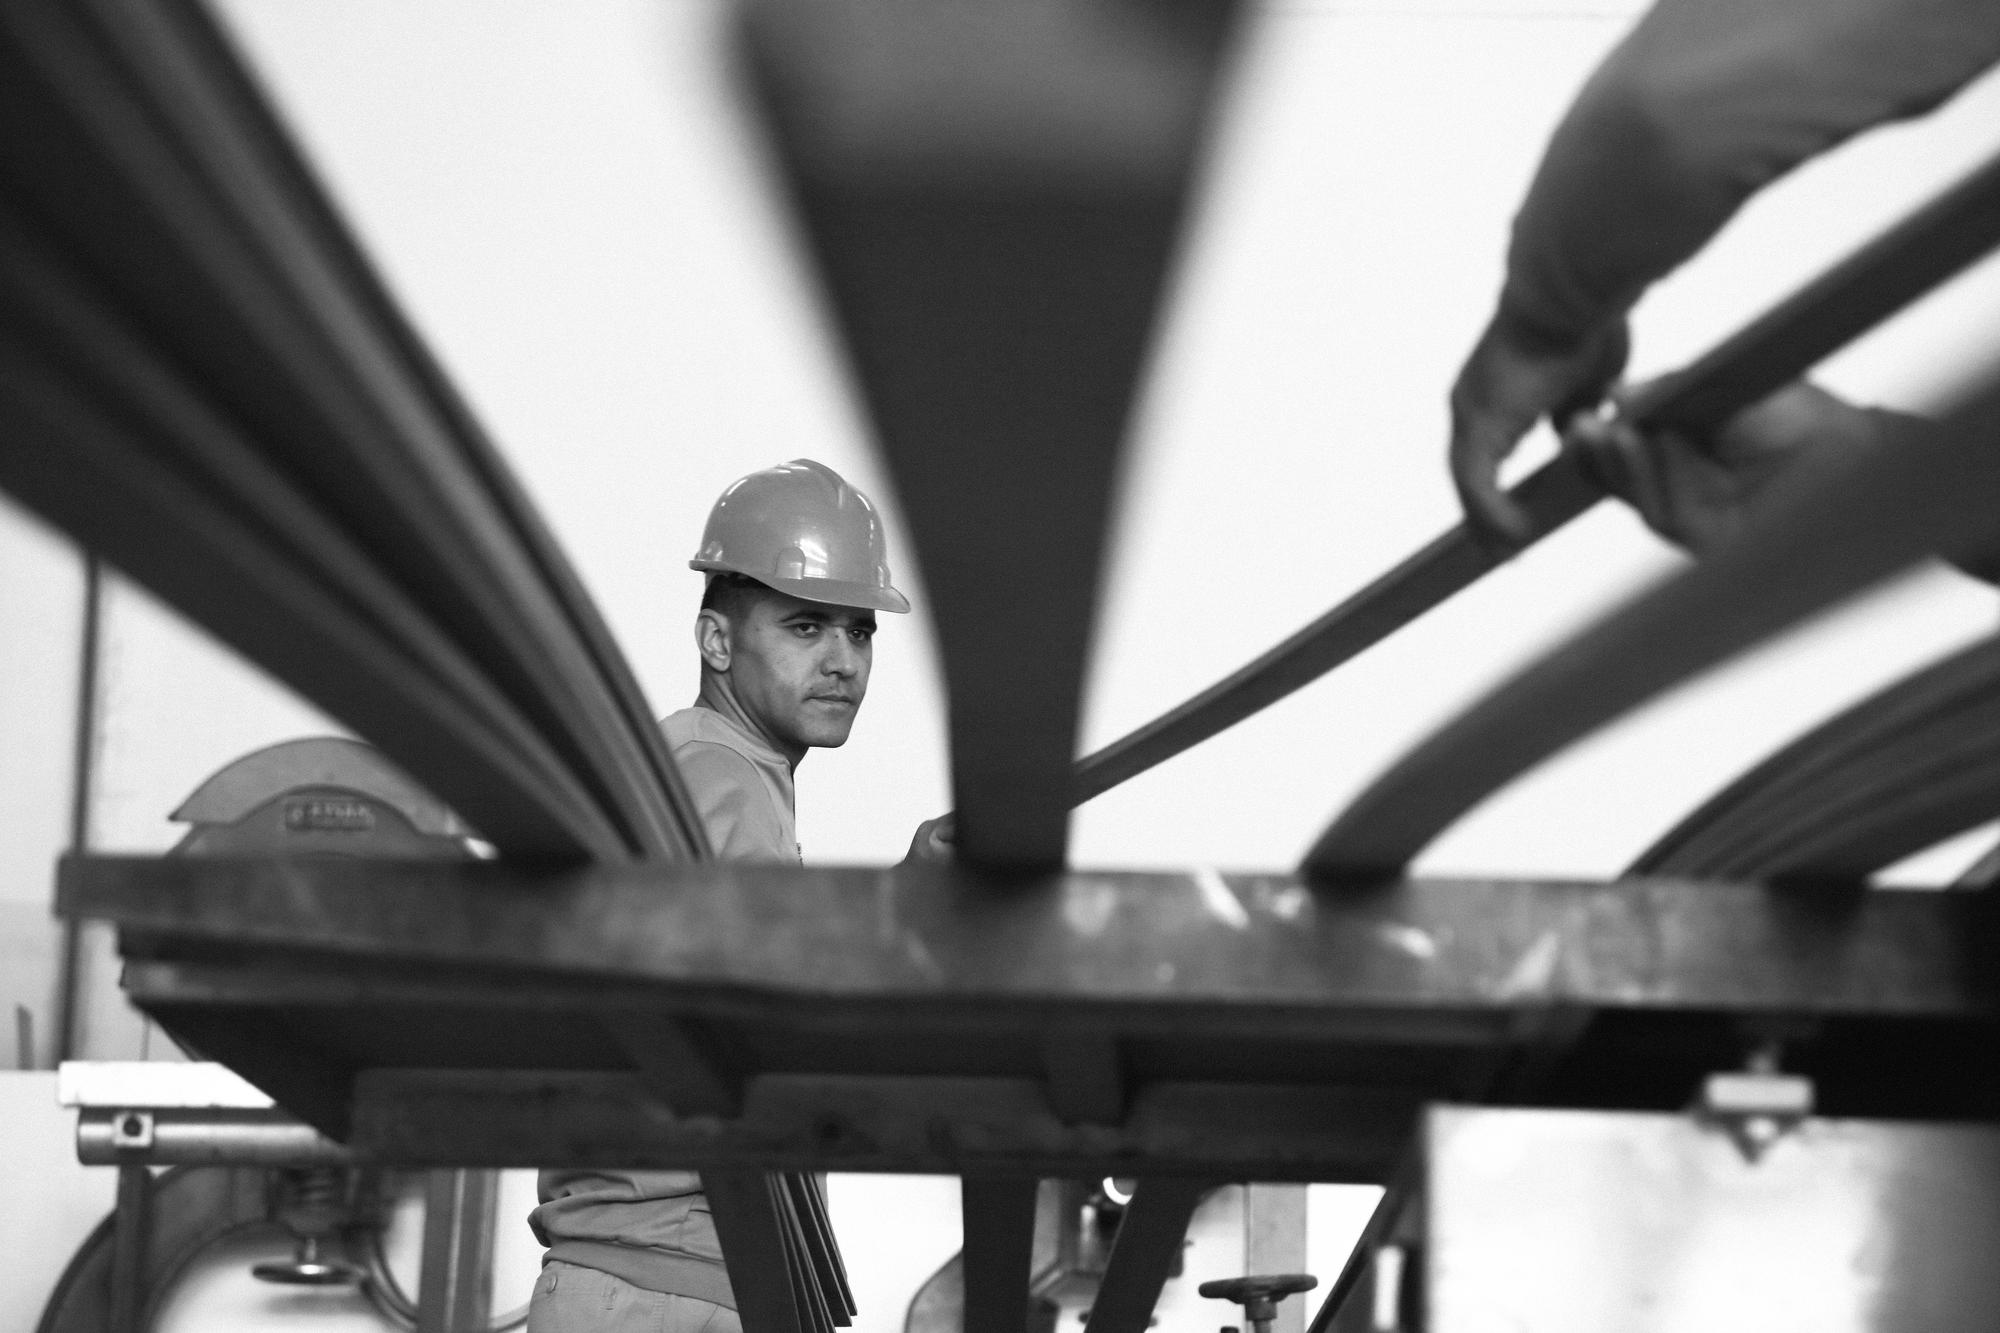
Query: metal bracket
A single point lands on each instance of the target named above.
(1755, 1107)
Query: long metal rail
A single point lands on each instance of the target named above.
(1930, 245)
(1892, 774)
(205, 381)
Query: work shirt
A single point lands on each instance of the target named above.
(740, 784)
(1704, 103)
(652, 1228)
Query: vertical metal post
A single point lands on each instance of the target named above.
(999, 1216)
(131, 1220)
(453, 1293)
(754, 1248)
(1149, 1241)
(1274, 1241)
(83, 784)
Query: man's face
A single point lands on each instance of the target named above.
(800, 669)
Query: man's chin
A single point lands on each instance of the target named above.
(827, 737)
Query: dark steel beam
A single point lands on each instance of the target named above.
(314, 1084)
(753, 1247)
(1149, 1242)
(808, 1194)
(1087, 1083)
(842, 944)
(1840, 530)
(949, 1126)
(678, 1061)
(999, 1227)
(132, 1225)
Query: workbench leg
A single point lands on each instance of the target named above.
(999, 1217)
(130, 1225)
(455, 1285)
(753, 1248)
(1149, 1240)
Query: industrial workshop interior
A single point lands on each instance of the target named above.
(1348, 920)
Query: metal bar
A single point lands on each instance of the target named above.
(745, 939)
(1149, 1241)
(1921, 804)
(1982, 873)
(312, 1084)
(947, 1126)
(822, 1247)
(453, 1289)
(1929, 246)
(255, 563)
(180, 70)
(999, 1218)
(1826, 760)
(1938, 239)
(1552, 496)
(1844, 798)
(1087, 1082)
(677, 1062)
(201, 1137)
(83, 775)
(1842, 529)
(1381, 1224)
(995, 266)
(131, 1225)
(753, 1247)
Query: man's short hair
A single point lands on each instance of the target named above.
(729, 592)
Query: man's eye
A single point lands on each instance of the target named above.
(805, 629)
(863, 633)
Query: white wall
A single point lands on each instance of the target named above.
(567, 203)
(41, 605)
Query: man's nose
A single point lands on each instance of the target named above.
(842, 657)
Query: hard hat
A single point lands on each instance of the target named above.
(800, 529)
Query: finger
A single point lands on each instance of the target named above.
(1478, 445)
(1593, 439)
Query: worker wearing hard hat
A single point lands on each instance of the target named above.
(797, 566)
(1704, 103)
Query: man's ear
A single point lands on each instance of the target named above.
(711, 638)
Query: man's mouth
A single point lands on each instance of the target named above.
(849, 700)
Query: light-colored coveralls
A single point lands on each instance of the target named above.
(636, 1250)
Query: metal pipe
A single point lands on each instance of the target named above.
(107, 1136)
(82, 793)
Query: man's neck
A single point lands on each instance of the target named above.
(717, 697)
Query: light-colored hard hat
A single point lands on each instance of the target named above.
(800, 529)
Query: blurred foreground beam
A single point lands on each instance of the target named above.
(993, 190)
(1903, 769)
(1150, 1236)
(898, 1019)
(1097, 947)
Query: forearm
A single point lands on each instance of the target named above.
(1704, 103)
